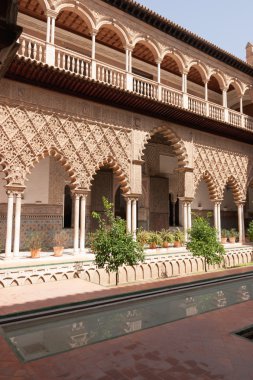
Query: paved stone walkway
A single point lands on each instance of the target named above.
(198, 348)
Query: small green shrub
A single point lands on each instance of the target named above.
(224, 233)
(112, 245)
(204, 242)
(250, 231)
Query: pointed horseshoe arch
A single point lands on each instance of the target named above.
(176, 143)
(236, 190)
(210, 182)
(117, 170)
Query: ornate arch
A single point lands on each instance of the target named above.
(119, 172)
(236, 189)
(211, 185)
(117, 27)
(177, 57)
(149, 43)
(58, 156)
(177, 144)
(79, 9)
(237, 85)
(200, 67)
(220, 78)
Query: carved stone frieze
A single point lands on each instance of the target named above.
(82, 146)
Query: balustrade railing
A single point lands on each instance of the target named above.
(36, 49)
(172, 96)
(216, 112)
(73, 62)
(145, 87)
(111, 75)
(33, 48)
(196, 105)
(235, 118)
(248, 123)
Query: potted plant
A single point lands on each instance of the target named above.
(34, 242)
(179, 238)
(167, 237)
(224, 235)
(142, 236)
(233, 235)
(154, 239)
(60, 240)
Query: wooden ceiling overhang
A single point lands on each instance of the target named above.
(49, 77)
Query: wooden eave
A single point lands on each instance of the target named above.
(41, 75)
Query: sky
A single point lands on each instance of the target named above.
(226, 23)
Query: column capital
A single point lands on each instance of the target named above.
(94, 32)
(14, 189)
(158, 61)
(132, 197)
(51, 13)
(129, 47)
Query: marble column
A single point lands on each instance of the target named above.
(17, 224)
(82, 229)
(129, 214)
(134, 217)
(9, 221)
(76, 223)
(241, 222)
(185, 210)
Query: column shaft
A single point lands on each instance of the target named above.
(93, 46)
(76, 224)
(48, 29)
(185, 219)
(52, 30)
(129, 214)
(189, 216)
(219, 221)
(159, 72)
(134, 216)
(82, 231)
(17, 225)
(8, 242)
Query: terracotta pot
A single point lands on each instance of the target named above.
(165, 244)
(58, 251)
(223, 240)
(232, 240)
(35, 253)
(152, 245)
(177, 244)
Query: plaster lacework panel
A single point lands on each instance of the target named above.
(82, 146)
(222, 166)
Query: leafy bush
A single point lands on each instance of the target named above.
(250, 231)
(34, 240)
(204, 242)
(61, 238)
(112, 245)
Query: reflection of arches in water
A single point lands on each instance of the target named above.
(173, 212)
(67, 207)
(120, 204)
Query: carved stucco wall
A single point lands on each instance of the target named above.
(219, 167)
(82, 146)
